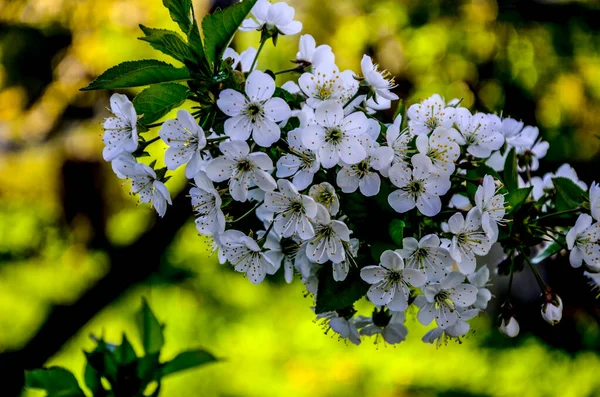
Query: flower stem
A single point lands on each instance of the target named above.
(260, 47)
(538, 277)
(511, 271)
(217, 139)
(547, 233)
(352, 99)
(296, 69)
(152, 125)
(247, 213)
(557, 214)
(267, 233)
(151, 141)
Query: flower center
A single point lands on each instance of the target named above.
(415, 188)
(325, 197)
(394, 276)
(334, 135)
(421, 255)
(432, 122)
(362, 168)
(442, 298)
(296, 207)
(254, 111)
(245, 166)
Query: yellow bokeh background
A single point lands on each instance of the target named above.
(266, 334)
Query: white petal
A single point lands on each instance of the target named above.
(238, 128)
(259, 86)
(401, 201)
(277, 109)
(231, 102)
(265, 133)
(372, 274)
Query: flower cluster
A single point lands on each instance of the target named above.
(307, 176)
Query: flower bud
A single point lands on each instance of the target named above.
(552, 310)
(511, 329)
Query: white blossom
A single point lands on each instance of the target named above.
(120, 132)
(344, 327)
(313, 55)
(393, 332)
(246, 256)
(329, 239)
(293, 211)
(469, 240)
(480, 279)
(440, 300)
(363, 175)
(426, 116)
(459, 328)
(322, 84)
(440, 150)
(595, 200)
(529, 148)
(390, 281)
(300, 162)
(417, 188)
(278, 16)
(380, 81)
(490, 204)
(243, 60)
(477, 134)
(145, 184)
(510, 328)
(336, 137)
(399, 141)
(426, 254)
(583, 240)
(186, 140)
(324, 194)
(341, 269)
(241, 168)
(552, 310)
(255, 114)
(206, 203)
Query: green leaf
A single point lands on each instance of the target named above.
(511, 175)
(547, 252)
(379, 248)
(186, 360)
(103, 361)
(56, 381)
(181, 13)
(92, 380)
(158, 100)
(148, 368)
(125, 353)
(568, 194)
(335, 295)
(516, 198)
(195, 42)
(396, 230)
(167, 42)
(150, 329)
(399, 110)
(220, 27)
(136, 74)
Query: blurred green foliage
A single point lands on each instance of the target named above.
(542, 66)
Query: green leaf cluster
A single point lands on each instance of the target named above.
(117, 370)
(202, 68)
